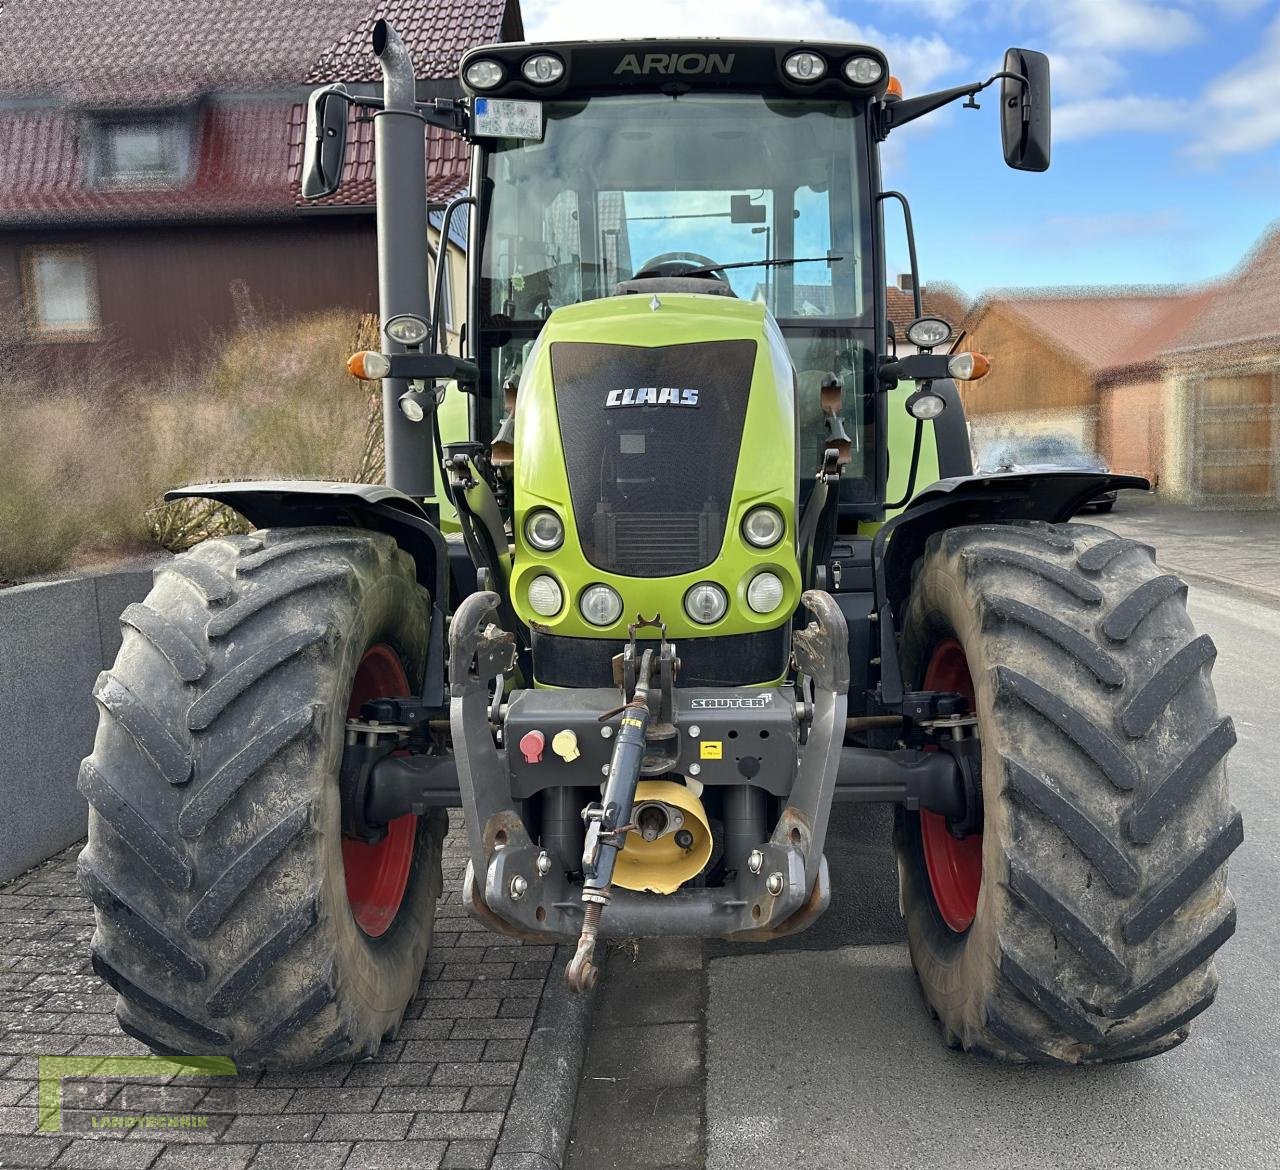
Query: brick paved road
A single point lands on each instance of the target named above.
(437, 1097)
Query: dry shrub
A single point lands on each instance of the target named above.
(80, 481)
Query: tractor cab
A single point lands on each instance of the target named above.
(693, 168)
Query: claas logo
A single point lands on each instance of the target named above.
(651, 396)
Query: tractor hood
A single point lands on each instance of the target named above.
(650, 424)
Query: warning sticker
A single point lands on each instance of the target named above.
(711, 749)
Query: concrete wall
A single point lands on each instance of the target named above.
(54, 639)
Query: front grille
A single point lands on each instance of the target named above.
(655, 544)
(651, 436)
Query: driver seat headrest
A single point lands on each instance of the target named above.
(682, 284)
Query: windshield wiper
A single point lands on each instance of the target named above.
(763, 264)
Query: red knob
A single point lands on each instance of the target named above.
(531, 745)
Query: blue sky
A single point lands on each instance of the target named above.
(1166, 159)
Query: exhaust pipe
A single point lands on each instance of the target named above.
(400, 159)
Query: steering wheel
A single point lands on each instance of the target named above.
(677, 264)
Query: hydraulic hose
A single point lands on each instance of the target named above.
(608, 825)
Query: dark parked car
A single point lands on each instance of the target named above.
(1046, 453)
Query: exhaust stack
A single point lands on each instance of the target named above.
(400, 156)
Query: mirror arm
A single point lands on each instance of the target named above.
(445, 113)
(909, 109)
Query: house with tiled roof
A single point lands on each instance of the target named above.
(937, 300)
(1179, 385)
(1084, 363)
(1223, 390)
(150, 157)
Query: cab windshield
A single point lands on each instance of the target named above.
(626, 181)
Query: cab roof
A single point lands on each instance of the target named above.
(675, 66)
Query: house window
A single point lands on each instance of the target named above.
(61, 291)
(141, 152)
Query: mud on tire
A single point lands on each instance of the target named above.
(1107, 825)
(215, 857)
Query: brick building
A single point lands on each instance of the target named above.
(1179, 385)
(150, 152)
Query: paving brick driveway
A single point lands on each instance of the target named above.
(437, 1097)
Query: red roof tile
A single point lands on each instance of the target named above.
(1246, 308)
(943, 301)
(239, 149)
(1107, 329)
(436, 31)
(84, 57)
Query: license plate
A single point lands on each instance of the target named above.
(506, 118)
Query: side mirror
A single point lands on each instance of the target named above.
(1024, 111)
(324, 141)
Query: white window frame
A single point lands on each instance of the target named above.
(34, 296)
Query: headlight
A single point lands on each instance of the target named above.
(706, 603)
(925, 405)
(544, 530)
(545, 596)
(928, 332)
(484, 74)
(804, 66)
(764, 594)
(863, 70)
(407, 329)
(543, 69)
(600, 605)
(762, 527)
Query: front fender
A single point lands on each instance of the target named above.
(1053, 496)
(307, 503)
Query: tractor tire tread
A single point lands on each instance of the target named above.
(1108, 824)
(214, 860)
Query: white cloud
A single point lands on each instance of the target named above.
(918, 60)
(1080, 71)
(1114, 25)
(939, 10)
(1242, 106)
(1130, 113)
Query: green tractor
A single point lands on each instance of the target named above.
(680, 611)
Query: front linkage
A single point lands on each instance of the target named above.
(519, 888)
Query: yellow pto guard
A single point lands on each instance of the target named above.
(664, 864)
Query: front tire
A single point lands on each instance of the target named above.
(233, 918)
(1099, 896)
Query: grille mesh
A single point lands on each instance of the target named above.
(651, 484)
(651, 544)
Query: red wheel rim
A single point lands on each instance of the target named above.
(378, 874)
(954, 864)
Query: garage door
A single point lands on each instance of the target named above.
(1235, 446)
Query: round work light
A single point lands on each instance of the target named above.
(706, 603)
(600, 605)
(544, 530)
